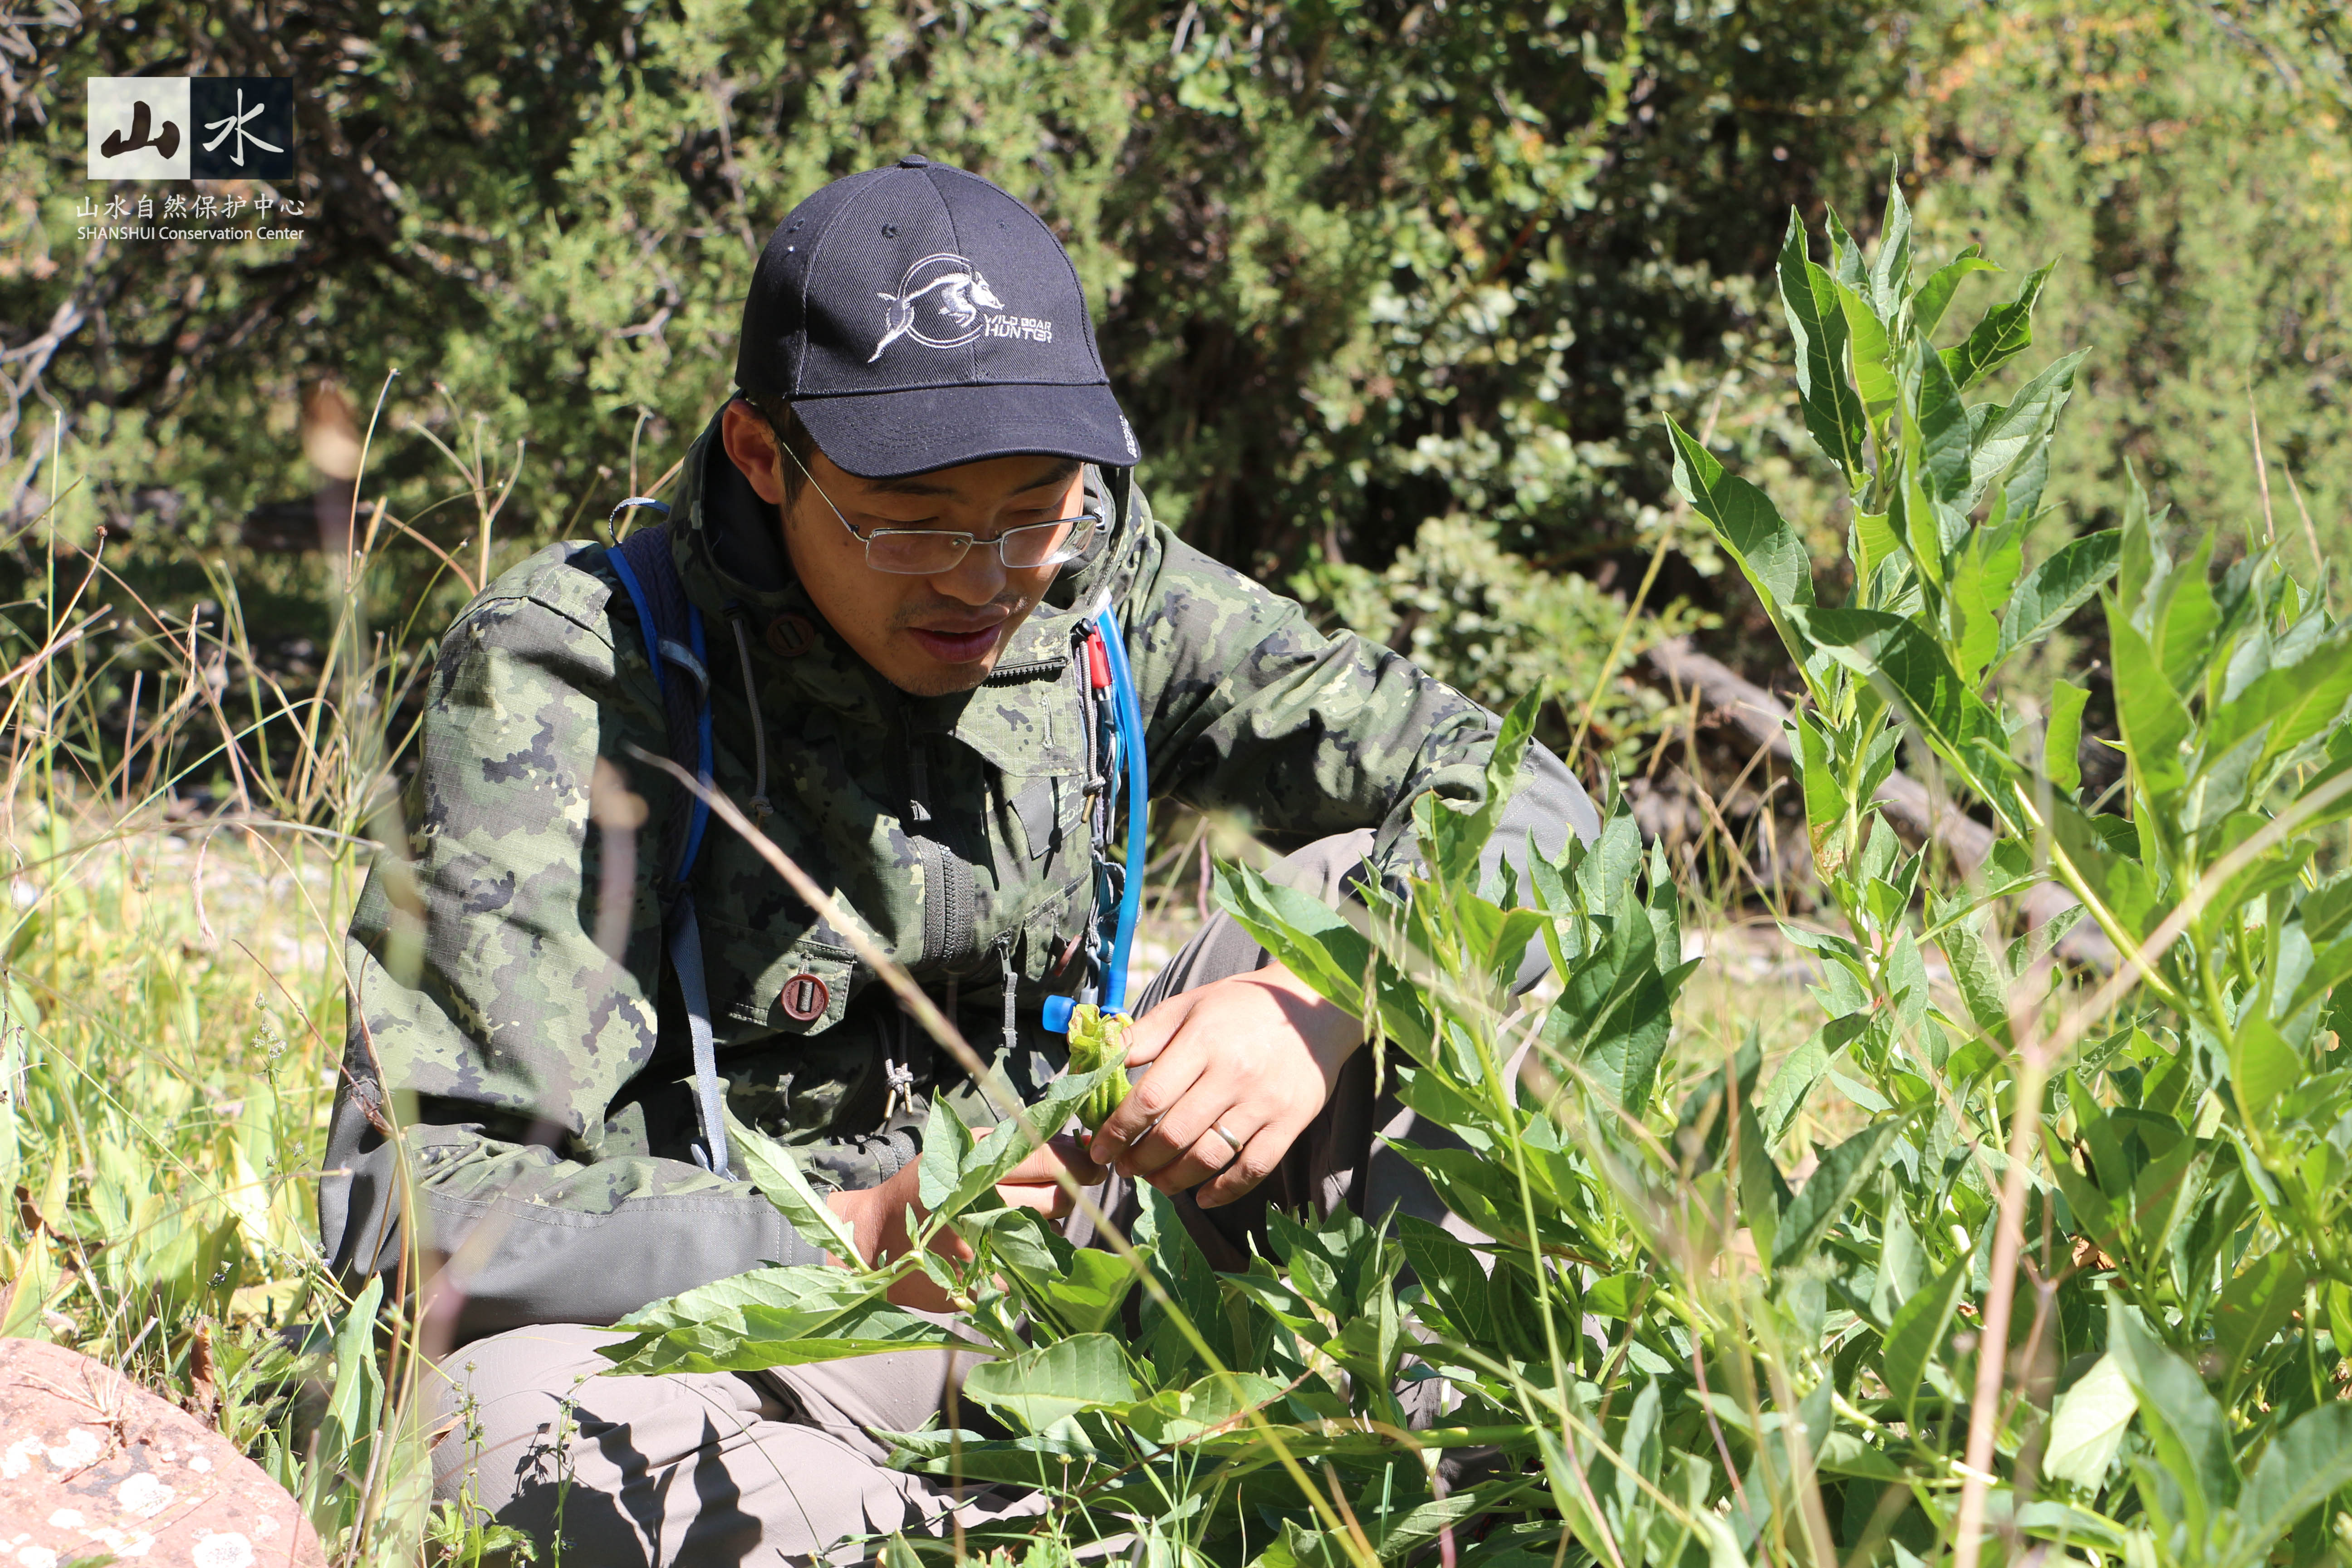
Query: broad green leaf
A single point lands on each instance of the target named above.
(1089, 1295)
(2263, 1067)
(357, 1392)
(2056, 587)
(2305, 1465)
(1502, 780)
(2087, 1428)
(1846, 255)
(1916, 1337)
(2186, 619)
(1942, 422)
(2061, 744)
(1770, 552)
(947, 1141)
(2095, 1209)
(1825, 803)
(1794, 1079)
(2025, 424)
(2184, 1425)
(2151, 713)
(1911, 517)
(2145, 564)
(1485, 1192)
(2006, 331)
(1935, 296)
(1063, 1459)
(1452, 1274)
(1310, 937)
(2020, 493)
(1183, 1414)
(2219, 788)
(2331, 968)
(765, 1318)
(2254, 1306)
(1609, 865)
(1976, 973)
(1890, 268)
(766, 1337)
(1982, 576)
(1896, 651)
(1832, 1185)
(1833, 410)
(2327, 908)
(1006, 1144)
(819, 1287)
(769, 1167)
(1041, 1386)
(1874, 371)
(2297, 701)
(1875, 542)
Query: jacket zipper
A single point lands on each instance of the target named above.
(948, 918)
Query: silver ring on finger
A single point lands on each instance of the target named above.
(1230, 1141)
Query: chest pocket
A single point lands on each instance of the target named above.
(1029, 732)
(801, 989)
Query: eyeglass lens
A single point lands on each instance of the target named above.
(923, 552)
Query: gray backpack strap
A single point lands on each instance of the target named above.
(684, 946)
(672, 628)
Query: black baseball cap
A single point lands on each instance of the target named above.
(917, 317)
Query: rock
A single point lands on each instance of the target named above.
(92, 1464)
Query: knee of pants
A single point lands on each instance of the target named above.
(1325, 869)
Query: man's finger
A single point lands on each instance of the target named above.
(1052, 1202)
(1039, 1200)
(1158, 1092)
(1152, 1032)
(1208, 1153)
(1042, 1167)
(1252, 1163)
(1169, 1149)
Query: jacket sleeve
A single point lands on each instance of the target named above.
(1250, 708)
(487, 1020)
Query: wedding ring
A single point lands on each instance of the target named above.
(1232, 1141)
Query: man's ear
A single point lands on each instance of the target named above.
(751, 447)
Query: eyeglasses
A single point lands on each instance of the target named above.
(928, 551)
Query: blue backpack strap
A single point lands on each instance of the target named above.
(672, 628)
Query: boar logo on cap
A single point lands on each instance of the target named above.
(937, 304)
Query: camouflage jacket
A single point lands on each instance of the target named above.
(549, 1114)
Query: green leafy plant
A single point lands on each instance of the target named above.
(2019, 1254)
(2144, 1162)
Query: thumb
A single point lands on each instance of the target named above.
(1151, 1034)
(1043, 1167)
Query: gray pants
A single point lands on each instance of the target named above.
(778, 1467)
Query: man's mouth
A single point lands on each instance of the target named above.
(952, 645)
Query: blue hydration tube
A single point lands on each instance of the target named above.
(1127, 717)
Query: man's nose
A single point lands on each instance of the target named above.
(978, 578)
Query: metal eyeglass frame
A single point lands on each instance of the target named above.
(1081, 544)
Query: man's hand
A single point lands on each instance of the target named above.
(1253, 1058)
(877, 1216)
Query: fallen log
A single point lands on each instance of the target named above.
(1909, 803)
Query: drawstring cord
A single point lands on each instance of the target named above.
(760, 807)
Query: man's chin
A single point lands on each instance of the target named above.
(929, 678)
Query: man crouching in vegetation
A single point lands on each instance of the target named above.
(878, 605)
